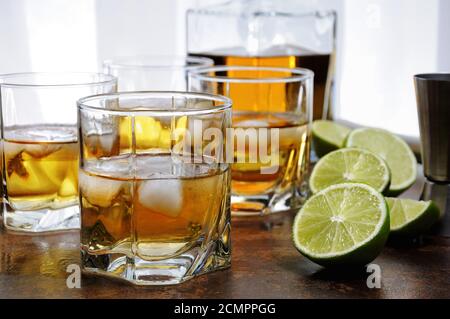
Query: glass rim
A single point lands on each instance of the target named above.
(213, 11)
(300, 74)
(105, 79)
(82, 104)
(126, 62)
(438, 77)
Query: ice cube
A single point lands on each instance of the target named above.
(41, 150)
(68, 187)
(162, 196)
(14, 162)
(206, 195)
(27, 178)
(107, 142)
(99, 191)
(100, 145)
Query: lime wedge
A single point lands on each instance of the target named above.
(343, 225)
(350, 165)
(410, 217)
(393, 150)
(328, 136)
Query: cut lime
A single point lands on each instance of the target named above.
(393, 150)
(410, 217)
(328, 136)
(343, 225)
(350, 165)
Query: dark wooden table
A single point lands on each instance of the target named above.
(265, 265)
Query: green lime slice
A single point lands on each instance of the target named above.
(343, 225)
(393, 150)
(328, 136)
(410, 217)
(350, 165)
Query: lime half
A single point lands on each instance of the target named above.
(350, 165)
(343, 225)
(410, 217)
(328, 136)
(393, 150)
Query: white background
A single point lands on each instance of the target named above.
(382, 44)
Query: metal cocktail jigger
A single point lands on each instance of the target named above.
(433, 105)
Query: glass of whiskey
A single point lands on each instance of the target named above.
(272, 113)
(154, 188)
(40, 148)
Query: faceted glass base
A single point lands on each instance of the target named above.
(196, 261)
(271, 203)
(44, 220)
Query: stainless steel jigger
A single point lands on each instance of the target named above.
(433, 105)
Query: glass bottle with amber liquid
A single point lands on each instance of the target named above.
(269, 33)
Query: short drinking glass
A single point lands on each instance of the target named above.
(40, 148)
(154, 187)
(272, 113)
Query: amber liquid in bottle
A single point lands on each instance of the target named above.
(321, 64)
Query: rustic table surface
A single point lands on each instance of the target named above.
(265, 265)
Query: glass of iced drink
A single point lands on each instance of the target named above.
(40, 148)
(154, 186)
(272, 113)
